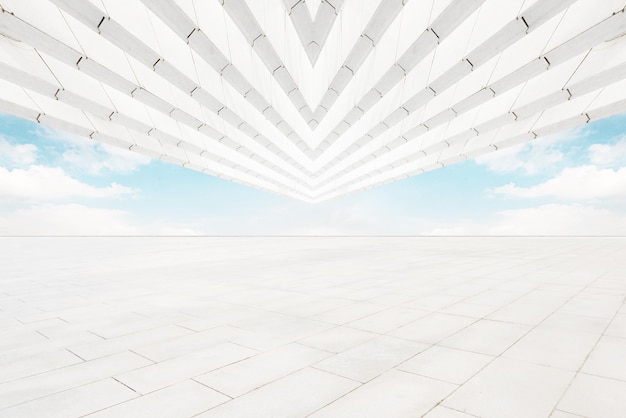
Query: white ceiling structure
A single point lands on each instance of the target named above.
(313, 99)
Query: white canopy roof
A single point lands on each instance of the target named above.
(313, 99)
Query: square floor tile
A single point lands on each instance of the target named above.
(553, 347)
(608, 359)
(509, 388)
(617, 328)
(487, 337)
(370, 359)
(593, 396)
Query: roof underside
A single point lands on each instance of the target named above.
(313, 99)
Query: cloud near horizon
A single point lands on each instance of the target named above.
(573, 183)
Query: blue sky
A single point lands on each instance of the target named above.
(572, 183)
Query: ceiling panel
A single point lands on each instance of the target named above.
(317, 101)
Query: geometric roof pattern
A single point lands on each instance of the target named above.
(313, 99)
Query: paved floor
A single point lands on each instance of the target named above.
(320, 327)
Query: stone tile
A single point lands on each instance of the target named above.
(284, 328)
(433, 328)
(296, 395)
(444, 412)
(216, 317)
(560, 414)
(136, 291)
(44, 384)
(392, 394)
(472, 310)
(522, 313)
(185, 344)
(593, 396)
(337, 339)
(448, 364)
(600, 307)
(617, 327)
(370, 359)
(314, 306)
(576, 323)
(38, 363)
(434, 302)
(546, 298)
(16, 339)
(241, 377)
(349, 313)
(553, 347)
(510, 388)
(608, 359)
(495, 297)
(387, 320)
(139, 324)
(184, 399)
(107, 347)
(487, 337)
(74, 402)
(178, 369)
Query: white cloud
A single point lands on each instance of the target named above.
(576, 183)
(17, 155)
(554, 219)
(48, 183)
(550, 219)
(608, 154)
(531, 157)
(74, 219)
(94, 157)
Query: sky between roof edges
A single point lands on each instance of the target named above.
(572, 183)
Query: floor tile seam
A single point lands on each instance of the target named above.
(567, 412)
(504, 351)
(140, 395)
(273, 381)
(310, 365)
(619, 337)
(312, 316)
(37, 320)
(74, 365)
(62, 391)
(360, 385)
(195, 353)
(582, 364)
(377, 375)
(449, 407)
(212, 388)
(260, 353)
(314, 366)
(427, 377)
(80, 361)
(132, 350)
(263, 310)
(320, 349)
(483, 292)
(431, 344)
(378, 334)
(602, 377)
(466, 380)
(345, 324)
